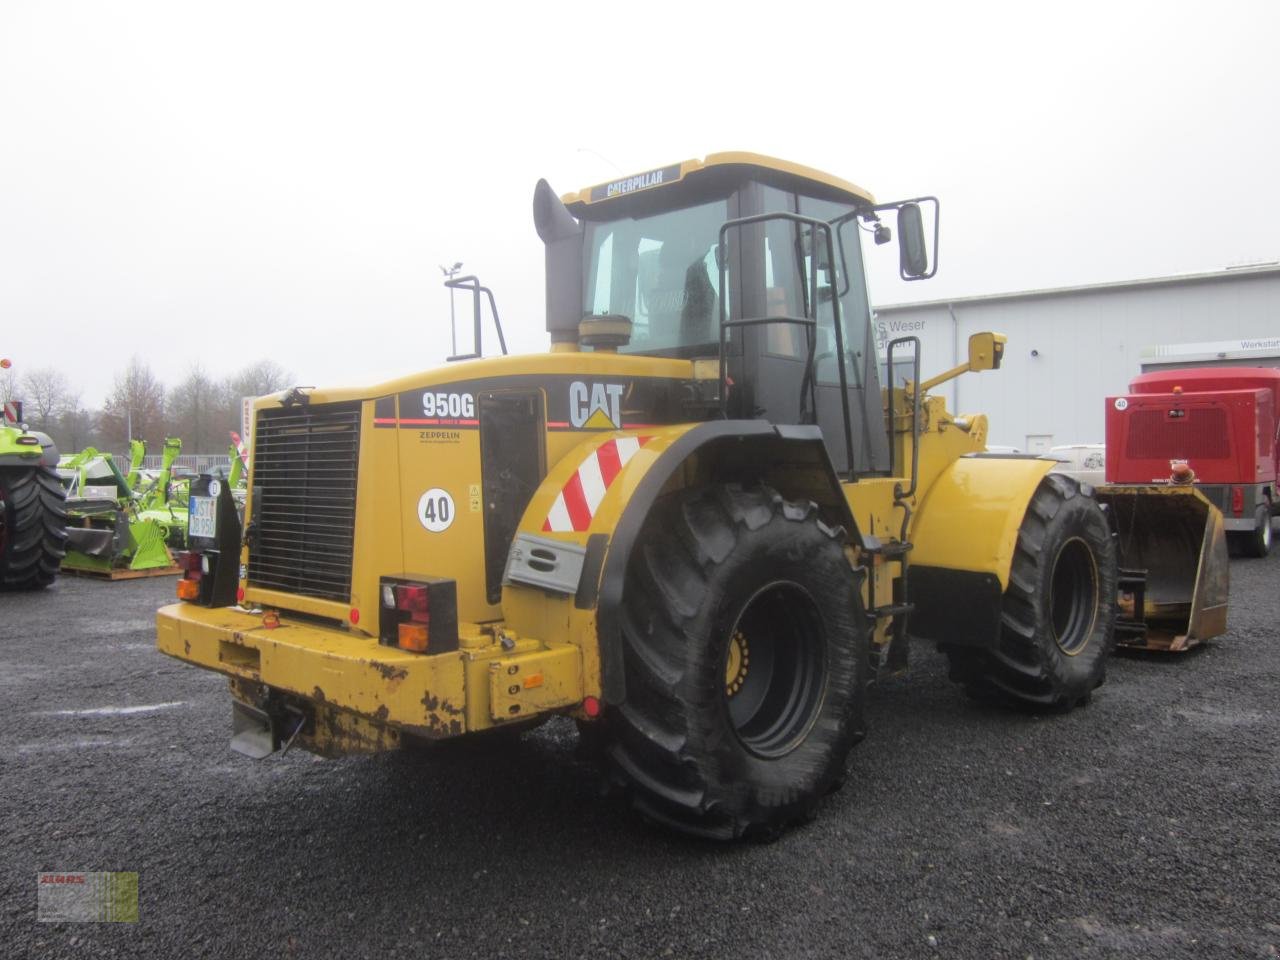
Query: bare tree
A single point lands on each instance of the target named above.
(75, 425)
(196, 412)
(138, 400)
(44, 394)
(265, 376)
(255, 380)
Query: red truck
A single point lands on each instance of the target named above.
(1216, 427)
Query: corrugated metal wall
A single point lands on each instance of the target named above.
(1069, 349)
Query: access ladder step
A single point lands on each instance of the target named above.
(892, 610)
(893, 550)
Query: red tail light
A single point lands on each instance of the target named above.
(1237, 501)
(415, 600)
(419, 614)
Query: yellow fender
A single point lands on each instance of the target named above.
(568, 562)
(969, 518)
(964, 534)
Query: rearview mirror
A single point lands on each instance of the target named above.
(913, 250)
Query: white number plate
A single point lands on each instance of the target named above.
(202, 520)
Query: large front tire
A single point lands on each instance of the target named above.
(33, 527)
(1058, 612)
(745, 657)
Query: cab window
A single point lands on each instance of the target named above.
(659, 271)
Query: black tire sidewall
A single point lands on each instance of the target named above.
(1075, 675)
(751, 786)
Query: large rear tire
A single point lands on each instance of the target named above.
(33, 527)
(1059, 609)
(745, 657)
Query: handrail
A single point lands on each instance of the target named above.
(472, 283)
(898, 492)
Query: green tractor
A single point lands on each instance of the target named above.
(33, 516)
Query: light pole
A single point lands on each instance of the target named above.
(452, 272)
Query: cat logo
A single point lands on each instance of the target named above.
(596, 406)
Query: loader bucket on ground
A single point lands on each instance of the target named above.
(1172, 553)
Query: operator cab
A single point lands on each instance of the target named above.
(770, 248)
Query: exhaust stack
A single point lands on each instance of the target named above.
(562, 235)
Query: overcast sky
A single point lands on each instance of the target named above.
(223, 182)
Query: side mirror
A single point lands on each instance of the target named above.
(913, 250)
(986, 350)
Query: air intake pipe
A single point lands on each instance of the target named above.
(562, 235)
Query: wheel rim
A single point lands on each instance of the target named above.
(775, 669)
(1073, 596)
(1266, 531)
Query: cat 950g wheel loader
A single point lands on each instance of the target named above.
(700, 524)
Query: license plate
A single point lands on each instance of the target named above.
(202, 519)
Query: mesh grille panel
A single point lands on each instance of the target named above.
(1202, 433)
(304, 499)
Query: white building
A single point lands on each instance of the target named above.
(1070, 348)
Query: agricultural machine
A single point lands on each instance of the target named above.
(112, 529)
(33, 515)
(698, 525)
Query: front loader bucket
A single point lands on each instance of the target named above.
(1172, 553)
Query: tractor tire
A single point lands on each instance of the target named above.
(1059, 609)
(33, 527)
(1256, 542)
(745, 655)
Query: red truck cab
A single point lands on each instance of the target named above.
(1216, 427)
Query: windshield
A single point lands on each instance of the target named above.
(660, 272)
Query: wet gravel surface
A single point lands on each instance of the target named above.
(1145, 825)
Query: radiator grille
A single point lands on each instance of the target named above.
(304, 499)
(1202, 434)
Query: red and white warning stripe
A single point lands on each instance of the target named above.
(578, 502)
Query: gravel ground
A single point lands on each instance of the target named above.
(1142, 826)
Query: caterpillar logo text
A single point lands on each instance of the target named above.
(595, 406)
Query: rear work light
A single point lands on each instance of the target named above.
(418, 613)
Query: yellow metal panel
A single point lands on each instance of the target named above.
(744, 158)
(620, 491)
(535, 612)
(379, 539)
(313, 606)
(420, 694)
(582, 364)
(456, 552)
(528, 684)
(872, 502)
(969, 517)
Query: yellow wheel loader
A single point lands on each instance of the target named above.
(699, 524)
